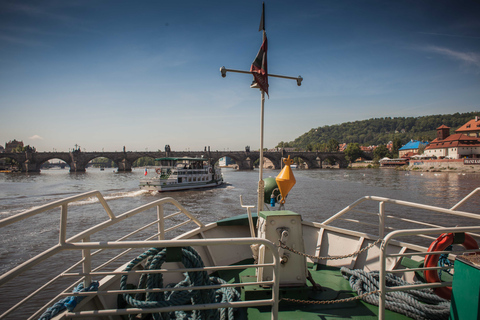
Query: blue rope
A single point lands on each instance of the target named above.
(444, 262)
(417, 304)
(154, 258)
(68, 303)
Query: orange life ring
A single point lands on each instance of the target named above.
(158, 171)
(441, 244)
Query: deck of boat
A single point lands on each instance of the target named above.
(334, 287)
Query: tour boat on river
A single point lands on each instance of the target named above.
(182, 174)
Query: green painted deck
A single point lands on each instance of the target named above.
(334, 286)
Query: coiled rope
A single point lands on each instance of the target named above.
(68, 303)
(417, 304)
(154, 259)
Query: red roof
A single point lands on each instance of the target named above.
(472, 125)
(455, 140)
(443, 127)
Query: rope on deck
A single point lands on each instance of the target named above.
(69, 302)
(154, 258)
(417, 304)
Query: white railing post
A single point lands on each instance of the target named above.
(161, 222)
(87, 264)
(381, 219)
(382, 286)
(63, 224)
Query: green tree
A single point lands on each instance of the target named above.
(144, 161)
(26, 148)
(397, 144)
(380, 152)
(320, 147)
(332, 145)
(382, 130)
(353, 152)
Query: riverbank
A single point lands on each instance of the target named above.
(444, 165)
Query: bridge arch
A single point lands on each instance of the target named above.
(42, 164)
(308, 162)
(12, 161)
(242, 162)
(109, 163)
(135, 164)
(273, 159)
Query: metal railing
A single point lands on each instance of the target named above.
(383, 216)
(81, 242)
(426, 229)
(383, 257)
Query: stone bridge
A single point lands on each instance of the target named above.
(77, 160)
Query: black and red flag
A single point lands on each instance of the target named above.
(259, 65)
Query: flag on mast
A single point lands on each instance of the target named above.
(259, 65)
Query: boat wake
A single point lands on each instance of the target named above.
(112, 196)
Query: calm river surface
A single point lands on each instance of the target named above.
(317, 195)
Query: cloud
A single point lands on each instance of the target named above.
(468, 58)
(35, 137)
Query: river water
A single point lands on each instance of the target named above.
(317, 195)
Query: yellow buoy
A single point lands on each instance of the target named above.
(285, 179)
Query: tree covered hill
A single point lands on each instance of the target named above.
(381, 130)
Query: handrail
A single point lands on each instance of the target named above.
(49, 206)
(382, 215)
(274, 301)
(465, 199)
(402, 203)
(63, 203)
(63, 243)
(425, 232)
(383, 256)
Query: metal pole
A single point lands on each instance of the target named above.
(261, 183)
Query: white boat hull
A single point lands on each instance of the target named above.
(152, 186)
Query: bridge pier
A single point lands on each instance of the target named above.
(28, 166)
(343, 164)
(124, 166)
(76, 166)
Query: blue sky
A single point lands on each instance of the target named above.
(143, 74)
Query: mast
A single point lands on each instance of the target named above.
(260, 75)
(261, 183)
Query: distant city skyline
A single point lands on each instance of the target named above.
(109, 74)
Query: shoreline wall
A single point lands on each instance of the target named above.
(443, 165)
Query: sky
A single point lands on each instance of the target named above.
(105, 74)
